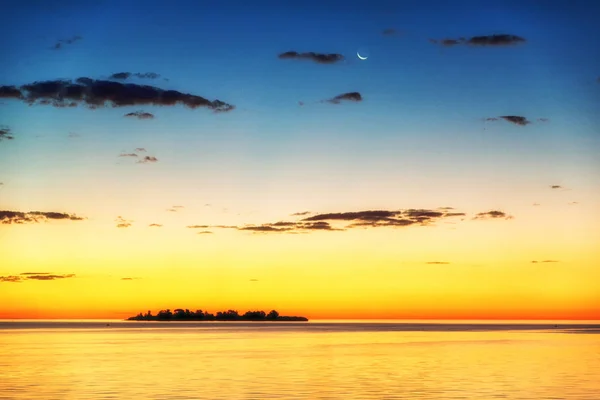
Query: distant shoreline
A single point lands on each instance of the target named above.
(180, 314)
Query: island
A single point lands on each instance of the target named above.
(180, 314)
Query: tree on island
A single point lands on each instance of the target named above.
(180, 314)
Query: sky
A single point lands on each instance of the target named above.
(240, 155)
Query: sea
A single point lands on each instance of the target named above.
(94, 359)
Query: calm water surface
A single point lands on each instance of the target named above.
(315, 360)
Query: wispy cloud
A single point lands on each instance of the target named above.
(148, 159)
(389, 32)
(300, 214)
(544, 261)
(100, 93)
(205, 233)
(486, 40)
(35, 276)
(73, 135)
(350, 96)
(556, 187)
(19, 217)
(127, 75)
(128, 155)
(61, 42)
(130, 278)
(140, 149)
(140, 115)
(155, 225)
(123, 223)
(493, 214)
(6, 133)
(437, 262)
(321, 58)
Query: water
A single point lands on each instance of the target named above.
(315, 360)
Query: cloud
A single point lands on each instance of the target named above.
(123, 223)
(140, 115)
(572, 203)
(148, 159)
(536, 204)
(556, 187)
(11, 278)
(437, 262)
(49, 277)
(515, 119)
(198, 226)
(544, 261)
(389, 32)
(140, 149)
(543, 119)
(284, 226)
(178, 207)
(204, 233)
(130, 278)
(321, 58)
(18, 217)
(10, 92)
(6, 133)
(487, 40)
(155, 225)
(493, 214)
(350, 96)
(127, 75)
(35, 276)
(59, 44)
(73, 135)
(128, 155)
(300, 214)
(101, 93)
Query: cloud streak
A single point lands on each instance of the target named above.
(61, 42)
(493, 214)
(123, 223)
(35, 276)
(100, 93)
(6, 133)
(127, 75)
(350, 96)
(140, 115)
(486, 40)
(19, 217)
(321, 58)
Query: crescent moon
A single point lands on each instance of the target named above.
(361, 57)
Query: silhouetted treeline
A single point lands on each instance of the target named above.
(180, 314)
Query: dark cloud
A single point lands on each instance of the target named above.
(127, 75)
(544, 261)
(100, 93)
(59, 44)
(493, 214)
(123, 223)
(49, 277)
(320, 58)
(496, 40)
(140, 150)
(300, 214)
(487, 40)
(556, 187)
(6, 133)
(11, 278)
(350, 96)
(515, 119)
(491, 119)
(148, 159)
(10, 92)
(18, 217)
(437, 262)
(155, 225)
(41, 276)
(198, 226)
(140, 115)
(284, 226)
